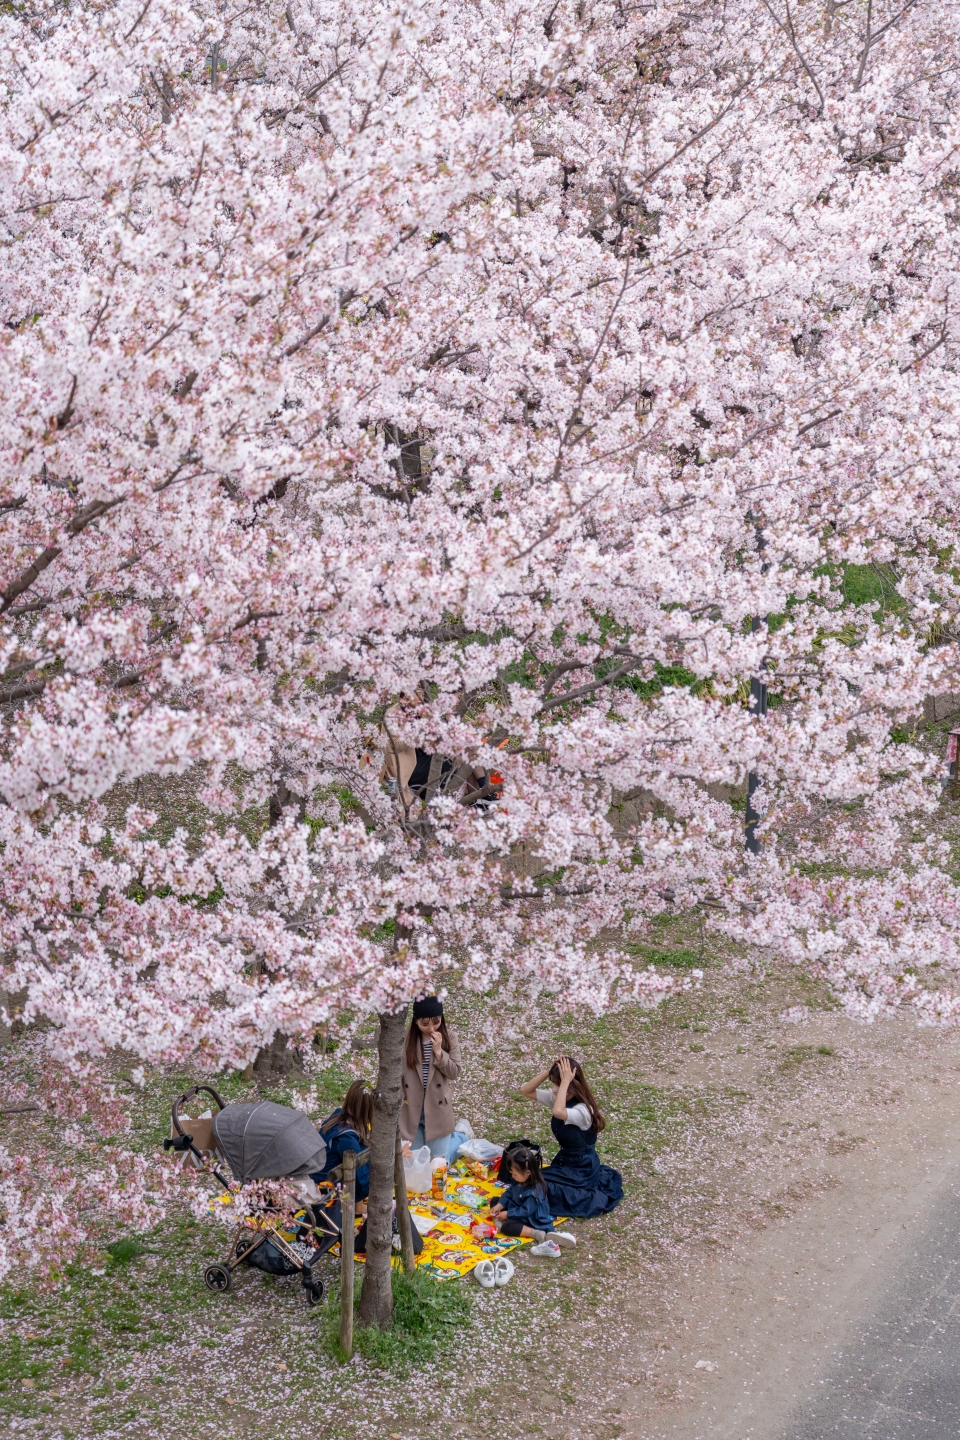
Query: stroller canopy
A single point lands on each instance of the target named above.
(265, 1141)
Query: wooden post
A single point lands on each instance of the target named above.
(404, 1223)
(348, 1210)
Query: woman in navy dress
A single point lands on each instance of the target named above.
(577, 1184)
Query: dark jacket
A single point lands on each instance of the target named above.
(529, 1205)
(340, 1138)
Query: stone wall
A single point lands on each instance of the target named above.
(937, 708)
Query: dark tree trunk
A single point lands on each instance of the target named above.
(276, 1060)
(376, 1298)
(281, 799)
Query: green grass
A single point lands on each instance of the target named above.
(108, 1341)
(641, 1119)
(426, 1315)
(680, 958)
(793, 1058)
(121, 1252)
(90, 1318)
(871, 585)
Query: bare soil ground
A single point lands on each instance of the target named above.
(767, 1164)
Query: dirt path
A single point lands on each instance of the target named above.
(756, 1333)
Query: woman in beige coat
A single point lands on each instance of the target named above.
(431, 1061)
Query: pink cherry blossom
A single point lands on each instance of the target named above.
(467, 376)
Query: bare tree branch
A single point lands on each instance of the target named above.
(583, 690)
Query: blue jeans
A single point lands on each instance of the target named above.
(445, 1146)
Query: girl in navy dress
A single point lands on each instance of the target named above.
(523, 1208)
(577, 1184)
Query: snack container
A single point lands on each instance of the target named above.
(466, 1195)
(438, 1175)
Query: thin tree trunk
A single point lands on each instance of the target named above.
(404, 1223)
(277, 1060)
(376, 1298)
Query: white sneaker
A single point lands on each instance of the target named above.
(484, 1272)
(503, 1271)
(464, 1128)
(563, 1237)
(548, 1248)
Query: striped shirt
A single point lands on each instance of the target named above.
(426, 1050)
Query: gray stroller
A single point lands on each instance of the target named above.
(263, 1141)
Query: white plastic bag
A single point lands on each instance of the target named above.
(483, 1150)
(417, 1171)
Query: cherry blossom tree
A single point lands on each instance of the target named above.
(513, 382)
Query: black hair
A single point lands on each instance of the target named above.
(528, 1160)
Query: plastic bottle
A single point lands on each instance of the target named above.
(438, 1177)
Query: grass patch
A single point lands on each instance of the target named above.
(121, 1252)
(640, 1120)
(426, 1313)
(90, 1322)
(681, 958)
(793, 1058)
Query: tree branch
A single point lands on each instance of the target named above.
(929, 351)
(22, 692)
(26, 578)
(585, 690)
(821, 420)
(545, 890)
(789, 30)
(321, 324)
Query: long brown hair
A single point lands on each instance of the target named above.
(580, 1093)
(411, 1050)
(356, 1110)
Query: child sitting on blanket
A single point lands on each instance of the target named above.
(522, 1209)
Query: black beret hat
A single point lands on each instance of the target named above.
(426, 1008)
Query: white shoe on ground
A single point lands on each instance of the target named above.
(503, 1271)
(563, 1237)
(463, 1127)
(549, 1249)
(484, 1272)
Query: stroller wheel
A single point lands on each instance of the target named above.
(314, 1292)
(217, 1277)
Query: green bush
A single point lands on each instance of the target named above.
(426, 1312)
(121, 1252)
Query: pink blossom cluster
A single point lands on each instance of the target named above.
(471, 376)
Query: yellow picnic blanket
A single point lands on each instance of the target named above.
(449, 1250)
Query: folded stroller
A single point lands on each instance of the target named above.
(263, 1141)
